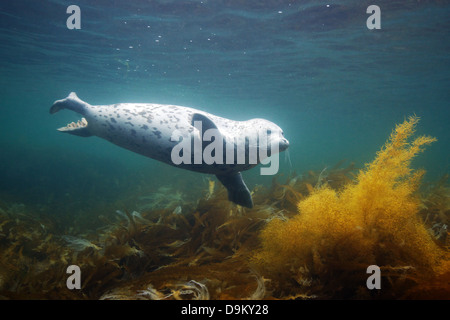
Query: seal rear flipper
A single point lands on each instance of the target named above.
(72, 102)
(81, 131)
(237, 190)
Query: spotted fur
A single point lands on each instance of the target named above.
(147, 129)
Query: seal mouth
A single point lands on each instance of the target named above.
(80, 124)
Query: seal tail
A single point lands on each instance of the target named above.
(72, 102)
(237, 190)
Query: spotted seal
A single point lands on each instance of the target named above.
(161, 131)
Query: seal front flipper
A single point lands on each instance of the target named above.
(237, 190)
(206, 122)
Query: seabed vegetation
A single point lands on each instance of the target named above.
(309, 236)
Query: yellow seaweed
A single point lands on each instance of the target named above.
(338, 234)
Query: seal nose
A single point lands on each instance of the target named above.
(284, 144)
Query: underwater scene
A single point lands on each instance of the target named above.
(342, 109)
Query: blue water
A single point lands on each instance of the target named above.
(313, 67)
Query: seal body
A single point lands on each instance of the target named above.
(168, 132)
